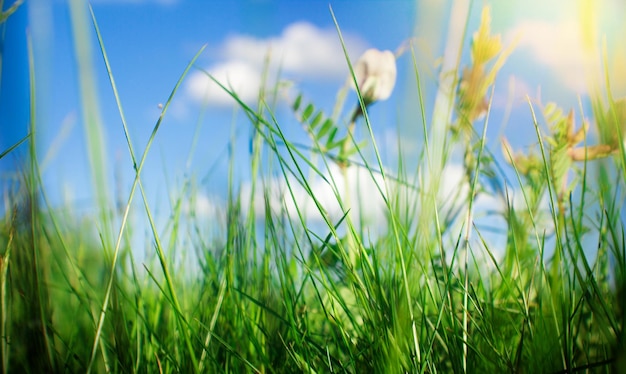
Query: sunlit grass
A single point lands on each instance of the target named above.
(427, 292)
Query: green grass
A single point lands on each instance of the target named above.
(281, 294)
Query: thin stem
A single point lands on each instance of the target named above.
(343, 165)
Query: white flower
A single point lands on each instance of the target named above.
(375, 73)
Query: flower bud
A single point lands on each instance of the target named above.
(375, 73)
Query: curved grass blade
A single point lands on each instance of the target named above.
(137, 182)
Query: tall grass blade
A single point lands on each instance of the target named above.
(137, 182)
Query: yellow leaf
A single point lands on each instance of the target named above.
(484, 46)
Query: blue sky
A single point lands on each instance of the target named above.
(149, 42)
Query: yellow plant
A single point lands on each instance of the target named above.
(477, 78)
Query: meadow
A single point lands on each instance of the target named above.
(428, 292)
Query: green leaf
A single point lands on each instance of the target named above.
(307, 112)
(560, 164)
(331, 137)
(10, 149)
(326, 127)
(296, 103)
(333, 145)
(317, 119)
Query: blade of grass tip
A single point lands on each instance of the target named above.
(394, 223)
(4, 15)
(420, 96)
(118, 101)
(363, 109)
(136, 182)
(14, 146)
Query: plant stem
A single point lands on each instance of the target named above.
(343, 165)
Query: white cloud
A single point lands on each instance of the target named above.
(301, 51)
(559, 46)
(365, 199)
(453, 185)
(203, 206)
(238, 76)
(515, 93)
